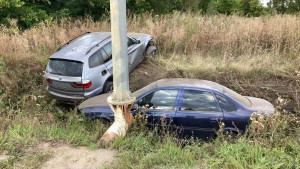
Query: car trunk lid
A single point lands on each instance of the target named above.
(261, 105)
(64, 76)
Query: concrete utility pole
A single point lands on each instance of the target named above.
(120, 100)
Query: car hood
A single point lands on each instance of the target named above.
(97, 101)
(261, 105)
(140, 36)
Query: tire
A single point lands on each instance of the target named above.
(108, 87)
(151, 51)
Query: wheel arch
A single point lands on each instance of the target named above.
(109, 79)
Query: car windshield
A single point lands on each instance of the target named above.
(236, 96)
(65, 67)
(144, 90)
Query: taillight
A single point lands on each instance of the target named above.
(48, 80)
(86, 84)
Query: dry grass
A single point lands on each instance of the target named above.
(192, 45)
(180, 33)
(196, 64)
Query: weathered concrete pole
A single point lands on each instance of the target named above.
(120, 100)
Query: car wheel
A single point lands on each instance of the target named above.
(151, 51)
(108, 87)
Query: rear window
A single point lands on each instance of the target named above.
(65, 67)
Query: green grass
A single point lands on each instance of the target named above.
(140, 150)
(272, 148)
(24, 131)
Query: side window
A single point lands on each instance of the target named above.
(129, 42)
(108, 49)
(194, 100)
(105, 57)
(225, 104)
(94, 60)
(106, 52)
(160, 100)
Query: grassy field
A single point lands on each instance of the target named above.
(254, 56)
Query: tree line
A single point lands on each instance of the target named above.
(27, 13)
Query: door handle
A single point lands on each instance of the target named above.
(104, 72)
(213, 120)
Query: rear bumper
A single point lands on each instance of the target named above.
(72, 97)
(64, 97)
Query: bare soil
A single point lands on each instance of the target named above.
(66, 157)
(3, 157)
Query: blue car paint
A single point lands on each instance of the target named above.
(238, 120)
(202, 125)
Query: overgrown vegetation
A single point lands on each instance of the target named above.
(268, 144)
(24, 14)
(254, 56)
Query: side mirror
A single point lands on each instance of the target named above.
(135, 41)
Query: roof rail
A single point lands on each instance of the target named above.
(72, 40)
(88, 51)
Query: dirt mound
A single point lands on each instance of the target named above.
(3, 157)
(78, 158)
(66, 157)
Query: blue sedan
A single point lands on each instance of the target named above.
(197, 106)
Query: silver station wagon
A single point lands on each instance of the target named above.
(82, 68)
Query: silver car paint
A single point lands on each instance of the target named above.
(80, 49)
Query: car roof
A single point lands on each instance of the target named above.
(188, 83)
(193, 83)
(181, 82)
(77, 48)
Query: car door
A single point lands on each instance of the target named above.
(95, 71)
(234, 117)
(198, 114)
(135, 53)
(160, 106)
(106, 53)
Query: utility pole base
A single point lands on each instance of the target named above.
(123, 120)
